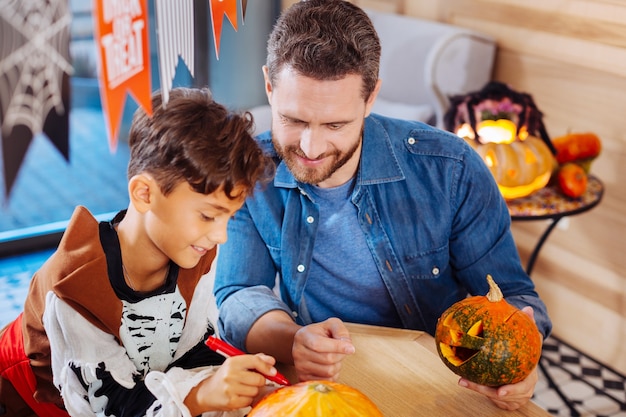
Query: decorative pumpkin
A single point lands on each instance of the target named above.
(486, 340)
(316, 398)
(581, 148)
(505, 127)
(572, 179)
(520, 167)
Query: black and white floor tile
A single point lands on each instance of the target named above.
(591, 389)
(585, 386)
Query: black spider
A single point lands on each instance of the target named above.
(462, 110)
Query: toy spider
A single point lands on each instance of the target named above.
(497, 100)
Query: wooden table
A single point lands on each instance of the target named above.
(402, 373)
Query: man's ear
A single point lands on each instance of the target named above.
(268, 84)
(140, 191)
(372, 98)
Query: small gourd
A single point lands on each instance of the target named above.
(316, 399)
(486, 340)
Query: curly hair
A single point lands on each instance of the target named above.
(195, 139)
(325, 40)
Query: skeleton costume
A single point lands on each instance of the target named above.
(108, 350)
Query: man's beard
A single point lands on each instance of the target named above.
(290, 155)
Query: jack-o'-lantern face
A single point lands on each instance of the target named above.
(488, 342)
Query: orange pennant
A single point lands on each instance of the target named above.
(121, 34)
(219, 8)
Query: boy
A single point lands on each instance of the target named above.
(115, 321)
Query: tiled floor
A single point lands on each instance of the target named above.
(594, 389)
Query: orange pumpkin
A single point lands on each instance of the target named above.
(581, 148)
(486, 340)
(572, 179)
(316, 398)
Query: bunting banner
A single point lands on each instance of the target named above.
(175, 37)
(175, 34)
(34, 79)
(219, 9)
(121, 35)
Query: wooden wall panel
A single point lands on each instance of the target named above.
(570, 55)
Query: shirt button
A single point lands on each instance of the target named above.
(435, 271)
(294, 313)
(300, 268)
(310, 219)
(411, 141)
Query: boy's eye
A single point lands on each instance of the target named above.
(206, 218)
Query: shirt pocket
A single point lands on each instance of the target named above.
(428, 264)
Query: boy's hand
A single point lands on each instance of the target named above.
(319, 348)
(238, 383)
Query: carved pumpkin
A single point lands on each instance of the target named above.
(506, 129)
(486, 340)
(519, 166)
(316, 398)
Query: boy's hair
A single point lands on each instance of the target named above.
(195, 139)
(325, 40)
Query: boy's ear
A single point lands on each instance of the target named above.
(140, 190)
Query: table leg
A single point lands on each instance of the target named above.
(542, 239)
(542, 368)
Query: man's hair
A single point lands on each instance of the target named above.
(325, 40)
(194, 139)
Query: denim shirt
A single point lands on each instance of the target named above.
(433, 217)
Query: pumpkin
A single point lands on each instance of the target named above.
(316, 398)
(572, 179)
(520, 167)
(486, 340)
(581, 148)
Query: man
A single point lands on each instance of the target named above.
(369, 219)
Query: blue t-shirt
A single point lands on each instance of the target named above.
(330, 289)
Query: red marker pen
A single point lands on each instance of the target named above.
(227, 351)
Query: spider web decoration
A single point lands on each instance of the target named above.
(34, 79)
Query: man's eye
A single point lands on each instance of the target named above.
(335, 126)
(289, 121)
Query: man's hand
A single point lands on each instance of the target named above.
(319, 348)
(508, 397)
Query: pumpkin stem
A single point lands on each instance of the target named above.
(494, 295)
(323, 388)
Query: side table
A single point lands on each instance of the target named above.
(550, 204)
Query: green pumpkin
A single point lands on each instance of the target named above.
(486, 340)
